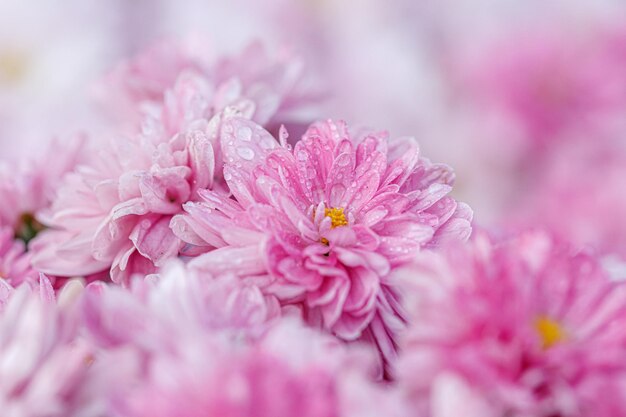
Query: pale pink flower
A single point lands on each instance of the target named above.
(44, 368)
(548, 83)
(114, 215)
(28, 186)
(196, 345)
(15, 268)
(291, 372)
(178, 300)
(273, 87)
(41, 286)
(579, 195)
(321, 226)
(527, 327)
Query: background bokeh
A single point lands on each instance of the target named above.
(526, 99)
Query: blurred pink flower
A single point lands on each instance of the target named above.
(321, 226)
(114, 215)
(15, 268)
(274, 88)
(548, 84)
(245, 381)
(196, 345)
(157, 308)
(28, 186)
(526, 327)
(267, 380)
(45, 368)
(579, 195)
(41, 286)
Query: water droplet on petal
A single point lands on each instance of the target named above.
(343, 160)
(245, 153)
(267, 143)
(244, 133)
(273, 163)
(336, 194)
(302, 156)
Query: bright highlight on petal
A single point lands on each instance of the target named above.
(550, 331)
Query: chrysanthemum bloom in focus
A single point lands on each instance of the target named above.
(112, 216)
(321, 226)
(525, 328)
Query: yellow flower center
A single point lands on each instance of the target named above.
(89, 359)
(13, 66)
(550, 331)
(337, 217)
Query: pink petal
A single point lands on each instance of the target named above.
(201, 161)
(154, 239)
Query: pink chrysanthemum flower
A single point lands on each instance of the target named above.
(275, 88)
(553, 83)
(176, 301)
(579, 195)
(113, 216)
(15, 268)
(321, 226)
(193, 345)
(525, 328)
(291, 372)
(28, 187)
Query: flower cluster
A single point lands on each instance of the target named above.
(217, 246)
